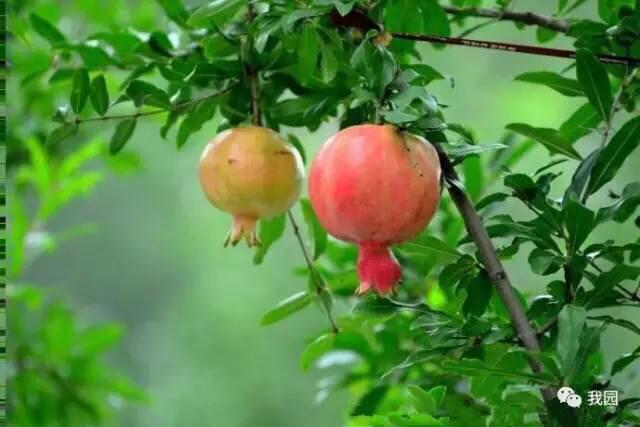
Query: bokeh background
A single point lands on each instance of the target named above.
(155, 263)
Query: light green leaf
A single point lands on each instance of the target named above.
(550, 138)
(269, 231)
(317, 232)
(571, 321)
(175, 10)
(400, 15)
(317, 348)
(122, 134)
(422, 400)
(61, 133)
(474, 367)
(99, 95)
(582, 122)
(218, 12)
(563, 85)
(46, 30)
(429, 246)
(594, 81)
(287, 307)
(308, 51)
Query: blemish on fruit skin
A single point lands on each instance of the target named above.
(231, 161)
(284, 152)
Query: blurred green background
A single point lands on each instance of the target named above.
(155, 262)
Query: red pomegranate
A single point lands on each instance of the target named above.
(375, 186)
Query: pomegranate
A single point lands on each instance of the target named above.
(375, 186)
(251, 173)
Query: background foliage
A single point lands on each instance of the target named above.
(548, 159)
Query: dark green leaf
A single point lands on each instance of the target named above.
(318, 234)
(287, 307)
(400, 15)
(369, 402)
(479, 290)
(297, 144)
(122, 134)
(308, 51)
(571, 321)
(582, 122)
(99, 95)
(550, 138)
(269, 232)
(579, 222)
(554, 81)
(608, 280)
(195, 119)
(623, 323)
(544, 262)
(61, 133)
(595, 82)
(46, 30)
(581, 177)
(79, 90)
(430, 246)
(614, 154)
(475, 367)
(465, 267)
(625, 206)
(621, 363)
(142, 92)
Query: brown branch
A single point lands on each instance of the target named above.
(527, 18)
(492, 263)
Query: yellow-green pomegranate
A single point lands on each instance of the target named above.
(251, 173)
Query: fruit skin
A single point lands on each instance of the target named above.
(375, 186)
(251, 173)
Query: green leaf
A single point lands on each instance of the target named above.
(582, 122)
(122, 134)
(563, 85)
(46, 30)
(369, 402)
(608, 280)
(61, 133)
(623, 323)
(297, 144)
(79, 90)
(571, 321)
(550, 138)
(422, 400)
(625, 206)
(465, 267)
(287, 307)
(614, 154)
(621, 363)
(175, 10)
(195, 119)
(461, 151)
(400, 15)
(317, 348)
(430, 246)
(581, 177)
(217, 12)
(99, 95)
(317, 232)
(474, 367)
(479, 290)
(344, 8)
(142, 92)
(544, 262)
(328, 62)
(594, 80)
(308, 51)
(269, 231)
(435, 18)
(579, 222)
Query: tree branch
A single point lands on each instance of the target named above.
(527, 18)
(616, 103)
(492, 263)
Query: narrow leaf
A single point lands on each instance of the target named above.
(317, 348)
(79, 90)
(563, 85)
(269, 231)
(317, 232)
(122, 134)
(571, 321)
(594, 80)
(99, 95)
(287, 307)
(579, 222)
(550, 138)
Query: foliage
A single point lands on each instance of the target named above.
(443, 350)
(57, 373)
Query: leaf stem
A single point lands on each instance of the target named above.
(154, 112)
(320, 286)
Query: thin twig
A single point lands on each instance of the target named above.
(492, 264)
(315, 276)
(153, 112)
(616, 103)
(527, 18)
